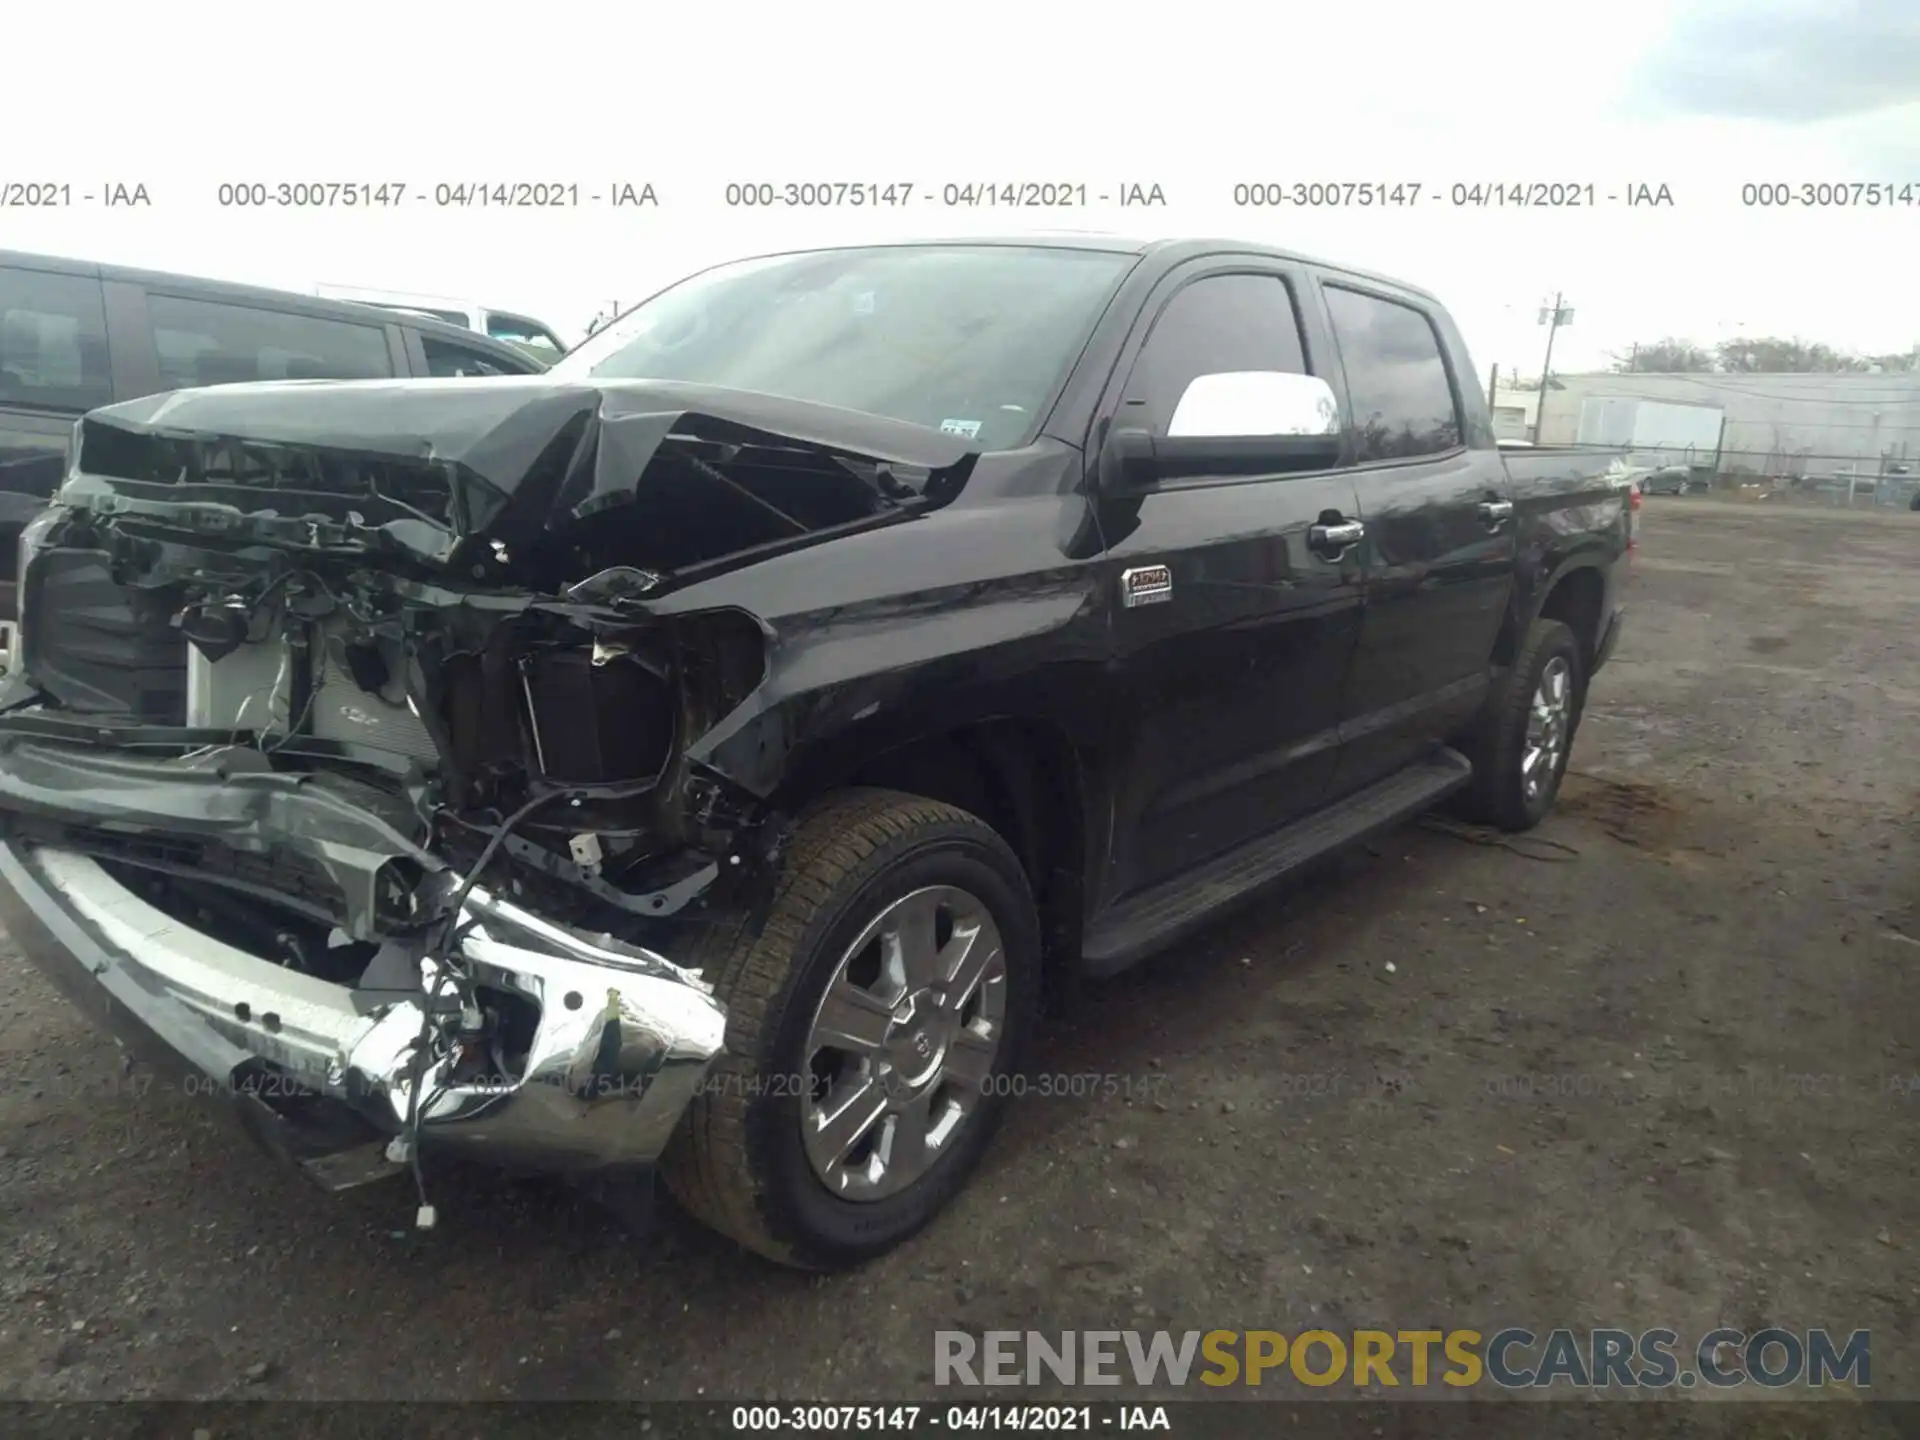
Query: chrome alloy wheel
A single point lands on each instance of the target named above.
(1548, 721)
(903, 1043)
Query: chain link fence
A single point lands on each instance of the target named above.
(1886, 481)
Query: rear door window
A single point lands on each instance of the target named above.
(1397, 381)
(204, 342)
(446, 359)
(53, 341)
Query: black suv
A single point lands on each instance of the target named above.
(76, 335)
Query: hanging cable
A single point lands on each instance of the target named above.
(440, 953)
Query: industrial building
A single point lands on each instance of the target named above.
(1514, 413)
(1783, 425)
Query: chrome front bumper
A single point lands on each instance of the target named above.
(621, 1044)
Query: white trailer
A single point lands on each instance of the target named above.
(1685, 434)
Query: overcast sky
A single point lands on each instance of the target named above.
(1699, 95)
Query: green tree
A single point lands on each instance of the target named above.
(1665, 357)
(1771, 355)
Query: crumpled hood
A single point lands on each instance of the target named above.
(517, 455)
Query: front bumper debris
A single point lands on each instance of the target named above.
(324, 1074)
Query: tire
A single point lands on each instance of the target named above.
(1500, 795)
(739, 1162)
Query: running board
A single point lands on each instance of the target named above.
(1154, 918)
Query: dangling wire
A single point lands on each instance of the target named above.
(440, 952)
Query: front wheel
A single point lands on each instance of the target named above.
(873, 1022)
(1526, 732)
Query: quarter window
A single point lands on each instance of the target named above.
(201, 342)
(32, 463)
(1218, 324)
(53, 341)
(445, 361)
(1397, 382)
(529, 335)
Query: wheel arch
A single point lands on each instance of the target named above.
(1026, 776)
(1575, 593)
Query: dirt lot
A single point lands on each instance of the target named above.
(1668, 1076)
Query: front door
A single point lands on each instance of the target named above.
(1233, 633)
(1439, 549)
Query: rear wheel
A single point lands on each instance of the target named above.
(1526, 733)
(872, 1022)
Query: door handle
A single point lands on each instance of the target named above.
(1335, 540)
(1496, 512)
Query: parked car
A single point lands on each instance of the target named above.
(706, 755)
(1674, 480)
(531, 337)
(75, 335)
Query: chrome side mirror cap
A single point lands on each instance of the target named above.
(1240, 404)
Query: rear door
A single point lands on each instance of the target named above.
(1230, 673)
(1439, 547)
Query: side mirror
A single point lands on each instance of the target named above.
(1241, 422)
(1239, 404)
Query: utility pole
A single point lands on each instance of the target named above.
(1553, 317)
(1493, 388)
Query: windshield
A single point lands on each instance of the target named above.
(971, 340)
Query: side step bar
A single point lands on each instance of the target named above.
(1154, 918)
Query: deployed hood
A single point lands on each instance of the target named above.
(447, 472)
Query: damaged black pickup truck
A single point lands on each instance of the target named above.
(708, 754)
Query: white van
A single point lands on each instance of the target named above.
(524, 334)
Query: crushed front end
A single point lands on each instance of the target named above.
(347, 773)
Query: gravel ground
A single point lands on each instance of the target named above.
(1666, 1076)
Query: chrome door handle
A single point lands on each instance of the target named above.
(1334, 539)
(1496, 512)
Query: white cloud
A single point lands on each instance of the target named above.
(1785, 60)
